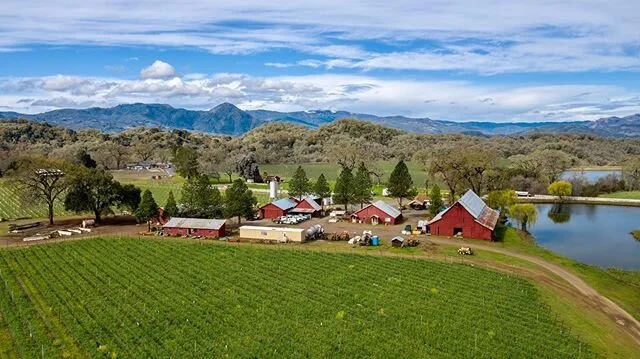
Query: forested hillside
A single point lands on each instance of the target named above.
(288, 143)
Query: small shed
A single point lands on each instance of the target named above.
(280, 234)
(277, 208)
(379, 212)
(212, 228)
(469, 216)
(420, 202)
(308, 205)
(397, 242)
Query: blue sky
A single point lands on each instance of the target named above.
(462, 60)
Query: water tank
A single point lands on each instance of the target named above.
(375, 240)
(274, 189)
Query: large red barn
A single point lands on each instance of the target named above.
(277, 208)
(469, 216)
(308, 205)
(378, 213)
(213, 228)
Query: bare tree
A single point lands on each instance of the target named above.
(41, 179)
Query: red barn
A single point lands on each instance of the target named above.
(277, 208)
(308, 205)
(469, 216)
(378, 213)
(213, 228)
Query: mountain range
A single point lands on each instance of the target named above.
(230, 120)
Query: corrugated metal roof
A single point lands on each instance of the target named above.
(281, 229)
(312, 201)
(388, 209)
(200, 223)
(482, 213)
(474, 204)
(284, 203)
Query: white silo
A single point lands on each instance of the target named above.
(274, 189)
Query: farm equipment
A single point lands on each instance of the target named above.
(344, 236)
(411, 242)
(314, 232)
(465, 251)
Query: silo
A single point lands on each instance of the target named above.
(274, 189)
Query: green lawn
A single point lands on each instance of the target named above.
(623, 195)
(167, 298)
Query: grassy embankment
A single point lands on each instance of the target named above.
(622, 195)
(621, 286)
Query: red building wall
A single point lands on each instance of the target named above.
(306, 205)
(269, 211)
(211, 233)
(366, 214)
(458, 217)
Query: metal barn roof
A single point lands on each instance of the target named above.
(473, 203)
(312, 201)
(200, 223)
(388, 209)
(482, 213)
(284, 203)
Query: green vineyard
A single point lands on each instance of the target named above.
(137, 298)
(11, 205)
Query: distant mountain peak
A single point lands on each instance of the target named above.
(228, 119)
(226, 106)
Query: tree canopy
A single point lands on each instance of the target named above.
(299, 185)
(239, 201)
(200, 199)
(525, 214)
(362, 185)
(93, 190)
(171, 208)
(186, 161)
(560, 189)
(400, 183)
(343, 190)
(435, 200)
(147, 209)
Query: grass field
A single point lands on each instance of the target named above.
(622, 195)
(142, 298)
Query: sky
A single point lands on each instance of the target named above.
(461, 60)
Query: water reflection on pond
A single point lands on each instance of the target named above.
(592, 234)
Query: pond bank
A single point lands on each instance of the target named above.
(581, 200)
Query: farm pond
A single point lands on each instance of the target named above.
(591, 234)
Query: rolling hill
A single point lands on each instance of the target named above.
(230, 120)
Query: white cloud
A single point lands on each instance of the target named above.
(158, 70)
(452, 100)
(531, 35)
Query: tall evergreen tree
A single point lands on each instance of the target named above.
(299, 184)
(186, 162)
(200, 199)
(343, 190)
(321, 188)
(362, 185)
(147, 209)
(171, 208)
(435, 200)
(239, 201)
(400, 183)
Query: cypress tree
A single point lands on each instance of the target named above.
(435, 200)
(171, 208)
(147, 209)
(401, 184)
